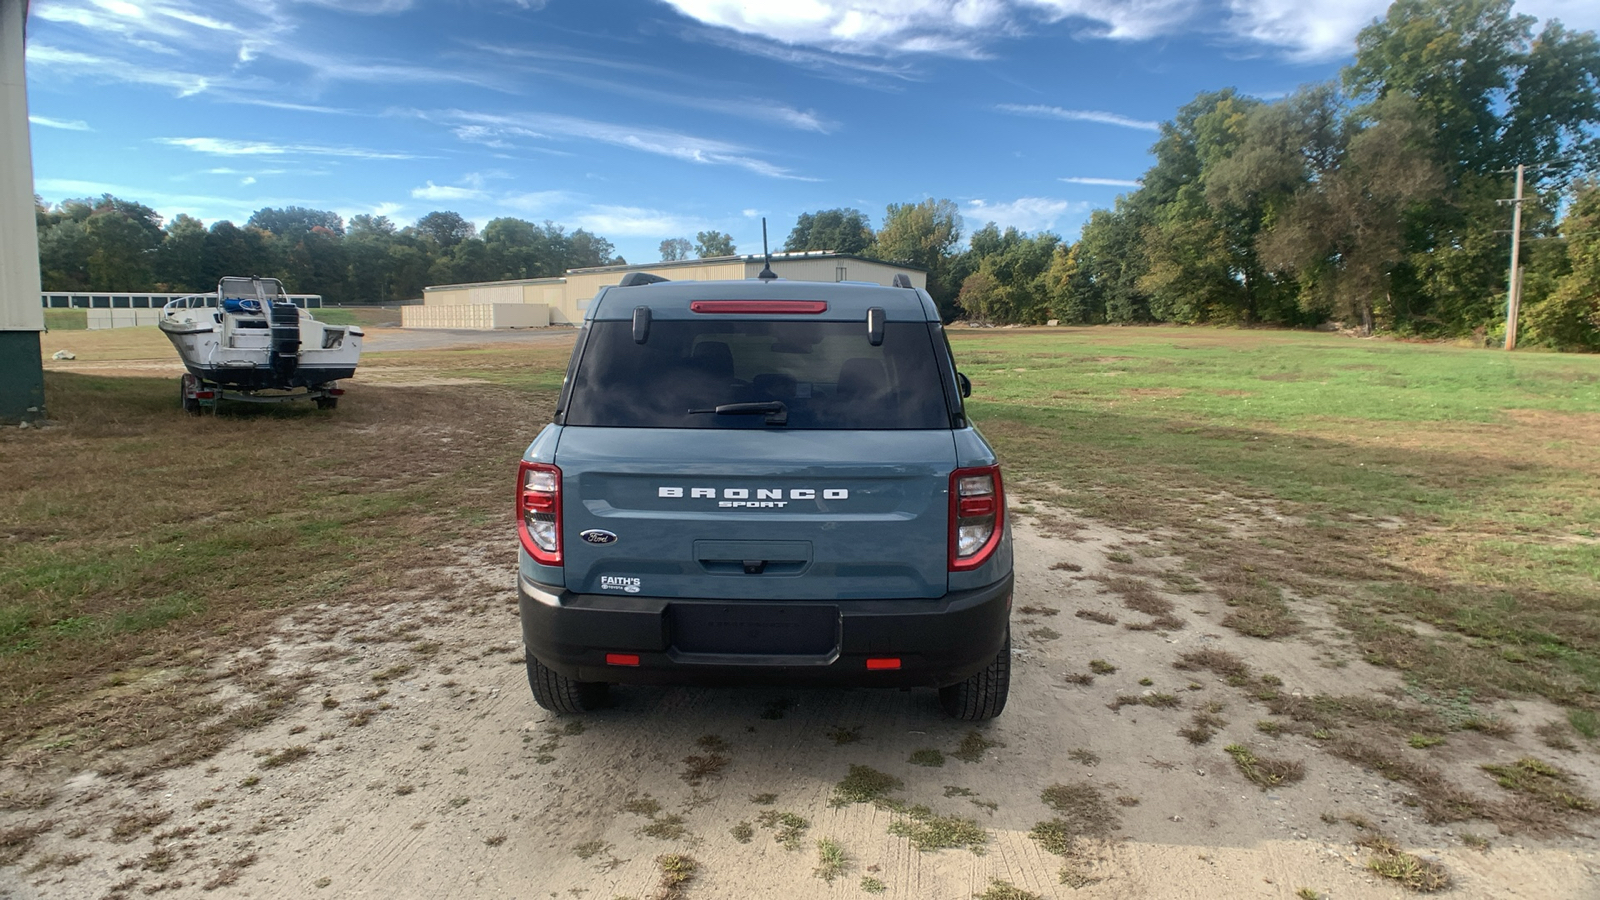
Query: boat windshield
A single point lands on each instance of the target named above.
(259, 290)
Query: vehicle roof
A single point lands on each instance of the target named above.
(846, 300)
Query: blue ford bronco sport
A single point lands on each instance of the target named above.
(763, 481)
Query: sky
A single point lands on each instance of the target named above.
(642, 120)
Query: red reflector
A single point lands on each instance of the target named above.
(622, 659)
(884, 662)
(771, 307)
(973, 507)
(337, 392)
(205, 395)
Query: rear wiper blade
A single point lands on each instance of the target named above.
(774, 410)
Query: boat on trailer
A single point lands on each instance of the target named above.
(250, 342)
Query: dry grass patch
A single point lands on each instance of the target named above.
(787, 827)
(16, 840)
(832, 862)
(698, 768)
(1408, 870)
(1094, 615)
(1551, 786)
(864, 784)
(1139, 596)
(928, 831)
(677, 870)
(1265, 771)
(1005, 890)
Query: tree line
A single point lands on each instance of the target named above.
(111, 244)
(1375, 199)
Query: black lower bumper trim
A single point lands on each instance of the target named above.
(938, 641)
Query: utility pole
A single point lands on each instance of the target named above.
(1514, 291)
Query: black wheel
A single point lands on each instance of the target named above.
(191, 405)
(327, 403)
(983, 696)
(559, 693)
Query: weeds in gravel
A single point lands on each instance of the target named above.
(864, 784)
(1549, 785)
(1204, 724)
(1084, 755)
(285, 756)
(787, 827)
(1408, 870)
(1005, 890)
(973, 746)
(1094, 615)
(927, 756)
(841, 735)
(1265, 771)
(832, 862)
(872, 885)
(1155, 700)
(677, 870)
(742, 832)
(764, 799)
(1101, 667)
(16, 840)
(699, 768)
(929, 831)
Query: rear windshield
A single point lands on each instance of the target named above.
(825, 375)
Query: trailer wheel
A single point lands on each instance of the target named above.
(190, 403)
(561, 694)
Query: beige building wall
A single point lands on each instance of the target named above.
(476, 316)
(567, 298)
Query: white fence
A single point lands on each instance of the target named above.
(129, 310)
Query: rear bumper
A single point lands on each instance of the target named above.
(939, 642)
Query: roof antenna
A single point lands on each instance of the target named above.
(766, 273)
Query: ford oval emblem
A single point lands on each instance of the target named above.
(596, 536)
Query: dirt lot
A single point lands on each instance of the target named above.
(416, 765)
(403, 755)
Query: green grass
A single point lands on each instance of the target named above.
(367, 316)
(1442, 484)
(66, 319)
(142, 542)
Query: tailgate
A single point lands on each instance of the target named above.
(758, 515)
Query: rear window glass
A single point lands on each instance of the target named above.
(826, 375)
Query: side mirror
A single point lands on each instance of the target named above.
(966, 384)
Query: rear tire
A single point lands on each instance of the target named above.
(983, 696)
(561, 694)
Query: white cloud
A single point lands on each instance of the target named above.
(248, 179)
(1079, 115)
(63, 124)
(446, 192)
(632, 221)
(1303, 29)
(541, 203)
(364, 7)
(71, 63)
(751, 213)
(1106, 182)
(1023, 213)
(959, 28)
(494, 131)
(231, 147)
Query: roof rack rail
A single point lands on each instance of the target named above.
(633, 279)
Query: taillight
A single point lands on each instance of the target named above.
(977, 516)
(539, 511)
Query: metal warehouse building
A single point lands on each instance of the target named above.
(537, 302)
